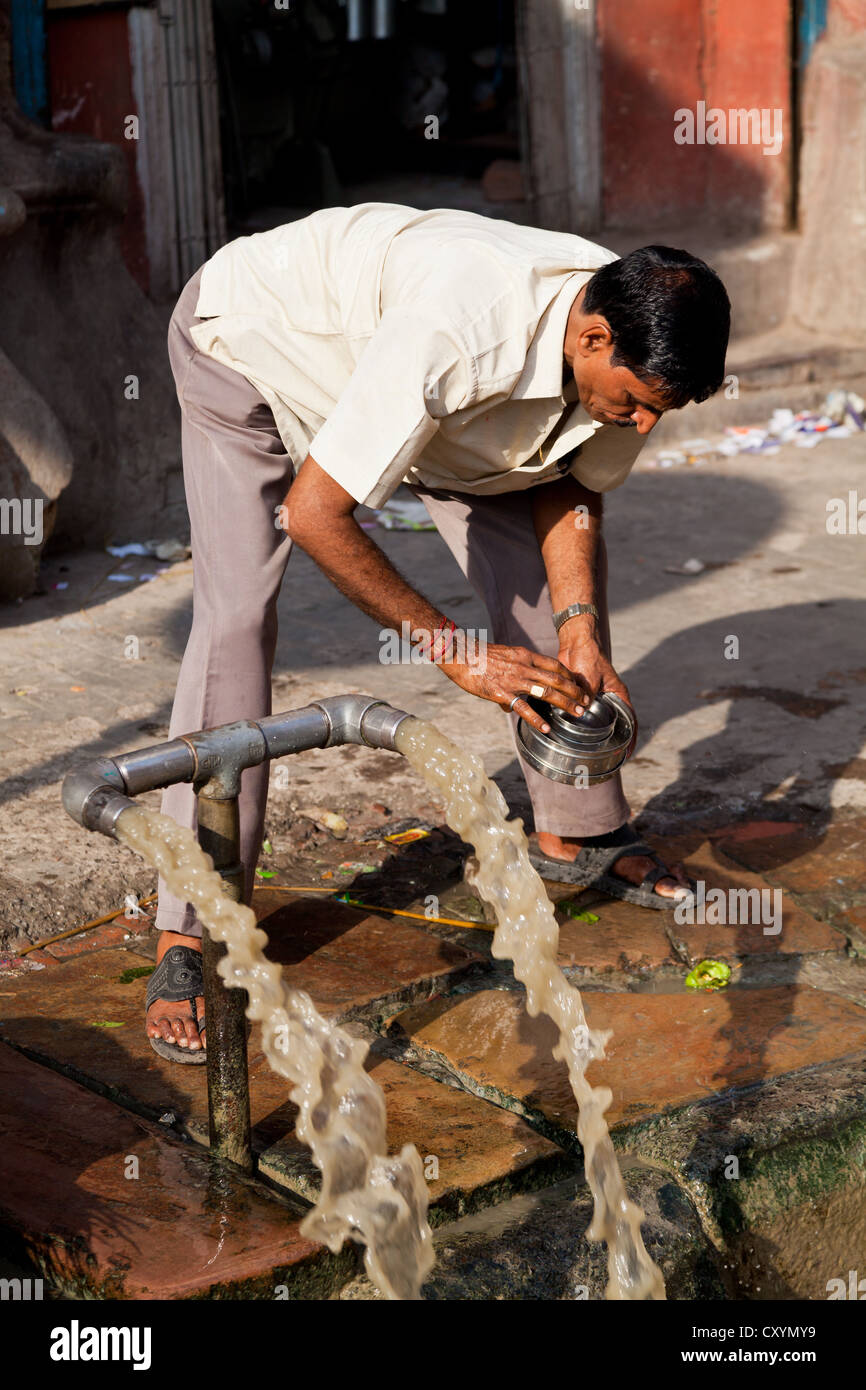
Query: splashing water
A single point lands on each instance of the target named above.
(527, 934)
(365, 1195)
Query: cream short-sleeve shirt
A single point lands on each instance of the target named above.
(396, 345)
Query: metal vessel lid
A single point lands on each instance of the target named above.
(591, 728)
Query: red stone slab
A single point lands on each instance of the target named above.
(478, 1148)
(751, 831)
(172, 1232)
(340, 956)
(476, 1144)
(666, 1049)
(54, 1014)
(800, 933)
(346, 958)
(815, 864)
(625, 937)
(109, 934)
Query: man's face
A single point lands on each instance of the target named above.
(615, 395)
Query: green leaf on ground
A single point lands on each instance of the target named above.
(709, 974)
(105, 1023)
(574, 911)
(265, 873)
(137, 972)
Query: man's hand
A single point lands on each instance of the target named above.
(583, 655)
(502, 673)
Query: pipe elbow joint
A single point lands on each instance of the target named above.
(95, 796)
(361, 719)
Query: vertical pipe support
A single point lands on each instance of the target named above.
(220, 758)
(228, 1087)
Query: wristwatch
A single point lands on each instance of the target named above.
(572, 611)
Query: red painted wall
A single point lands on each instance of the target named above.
(90, 93)
(656, 59)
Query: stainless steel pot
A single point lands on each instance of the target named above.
(580, 750)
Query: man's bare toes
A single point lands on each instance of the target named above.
(676, 886)
(666, 887)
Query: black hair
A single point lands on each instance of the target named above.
(669, 317)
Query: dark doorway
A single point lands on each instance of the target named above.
(324, 103)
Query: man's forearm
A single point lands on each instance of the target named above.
(318, 514)
(567, 519)
(360, 570)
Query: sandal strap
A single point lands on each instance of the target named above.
(660, 871)
(178, 977)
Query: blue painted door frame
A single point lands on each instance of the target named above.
(29, 74)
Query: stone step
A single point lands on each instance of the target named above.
(474, 1153)
(59, 1015)
(771, 923)
(180, 1228)
(667, 1050)
(824, 866)
(534, 1247)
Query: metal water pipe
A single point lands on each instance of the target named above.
(97, 794)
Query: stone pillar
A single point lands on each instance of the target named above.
(830, 271)
(100, 454)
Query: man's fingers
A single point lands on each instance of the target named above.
(528, 714)
(560, 688)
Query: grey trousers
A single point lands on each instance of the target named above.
(237, 473)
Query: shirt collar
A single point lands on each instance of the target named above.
(541, 377)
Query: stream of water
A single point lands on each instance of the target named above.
(367, 1195)
(527, 934)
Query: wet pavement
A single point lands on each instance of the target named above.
(740, 1115)
(768, 1072)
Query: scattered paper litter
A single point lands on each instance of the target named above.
(134, 548)
(842, 415)
(168, 549)
(327, 820)
(692, 566)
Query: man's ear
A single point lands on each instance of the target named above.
(595, 336)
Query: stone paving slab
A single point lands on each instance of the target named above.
(96, 939)
(346, 959)
(625, 937)
(534, 1247)
(826, 868)
(480, 1153)
(59, 1014)
(54, 1015)
(800, 933)
(181, 1229)
(480, 1148)
(779, 1174)
(667, 1049)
